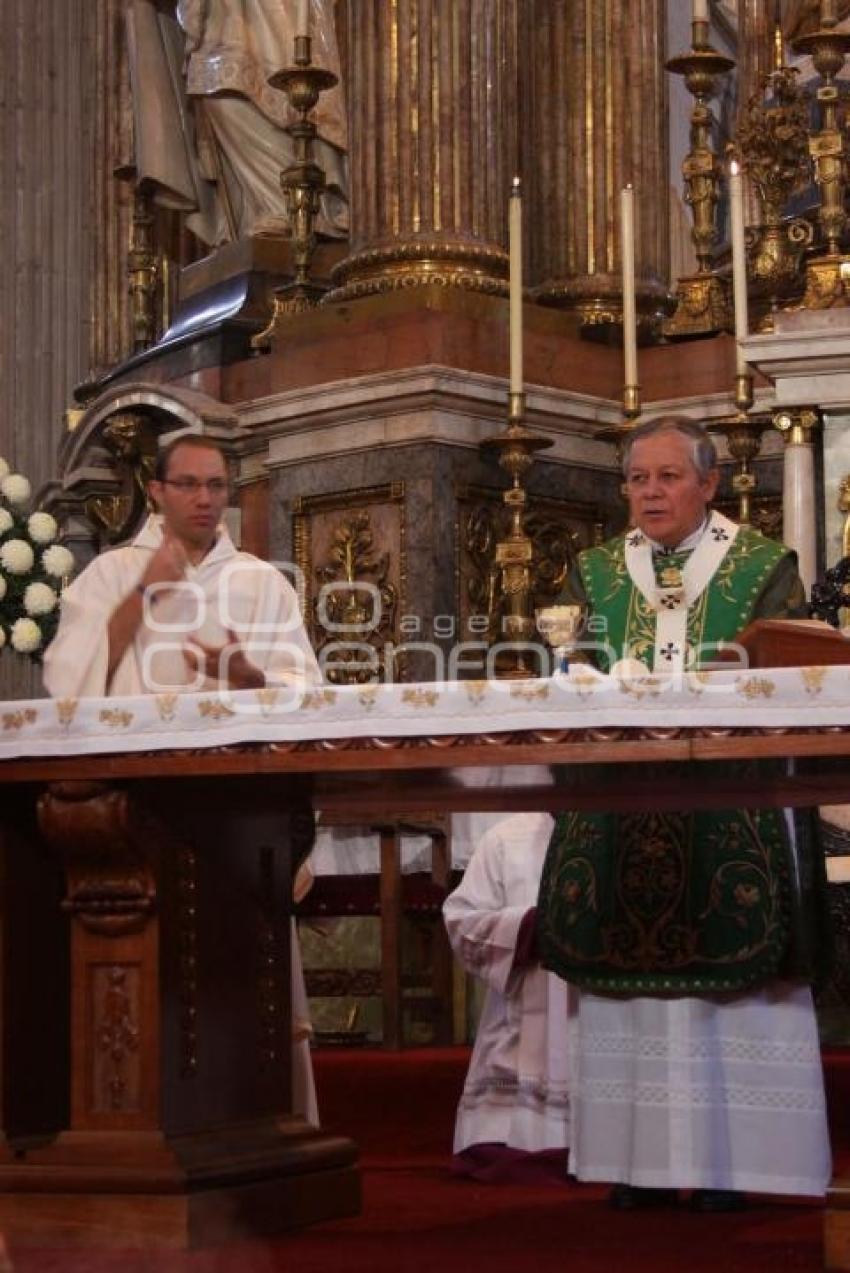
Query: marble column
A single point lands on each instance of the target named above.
(799, 501)
(599, 106)
(432, 91)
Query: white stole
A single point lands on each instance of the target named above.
(672, 597)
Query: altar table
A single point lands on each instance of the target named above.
(145, 1073)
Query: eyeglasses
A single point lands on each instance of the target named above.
(192, 486)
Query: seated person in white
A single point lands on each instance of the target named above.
(130, 625)
(516, 1091)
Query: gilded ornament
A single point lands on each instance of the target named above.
(315, 700)
(755, 687)
(116, 718)
(530, 692)
(66, 710)
(420, 697)
(130, 441)
(813, 679)
(214, 709)
(166, 706)
(359, 602)
(17, 720)
(267, 698)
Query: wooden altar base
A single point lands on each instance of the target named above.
(147, 1101)
(282, 1175)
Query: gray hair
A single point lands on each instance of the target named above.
(703, 450)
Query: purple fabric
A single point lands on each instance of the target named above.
(498, 1164)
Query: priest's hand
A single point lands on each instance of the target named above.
(228, 664)
(167, 565)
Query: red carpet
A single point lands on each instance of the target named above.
(418, 1218)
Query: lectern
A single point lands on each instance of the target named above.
(176, 1128)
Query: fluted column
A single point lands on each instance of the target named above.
(63, 286)
(599, 104)
(432, 106)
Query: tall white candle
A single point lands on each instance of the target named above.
(302, 18)
(739, 264)
(515, 289)
(700, 11)
(627, 255)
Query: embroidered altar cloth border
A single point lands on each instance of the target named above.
(808, 697)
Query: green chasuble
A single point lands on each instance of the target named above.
(687, 903)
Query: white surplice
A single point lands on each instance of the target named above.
(712, 1093)
(516, 1091)
(227, 591)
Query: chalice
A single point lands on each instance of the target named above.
(560, 627)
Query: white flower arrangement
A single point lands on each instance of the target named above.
(15, 489)
(57, 561)
(17, 556)
(32, 569)
(42, 528)
(26, 636)
(39, 598)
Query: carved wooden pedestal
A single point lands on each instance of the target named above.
(180, 1129)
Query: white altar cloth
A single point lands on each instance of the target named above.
(808, 697)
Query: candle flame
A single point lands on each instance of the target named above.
(734, 167)
(515, 185)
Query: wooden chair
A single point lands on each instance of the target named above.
(392, 895)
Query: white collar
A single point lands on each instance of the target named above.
(672, 597)
(690, 541)
(150, 536)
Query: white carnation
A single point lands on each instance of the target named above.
(4, 469)
(42, 528)
(2, 587)
(7, 521)
(39, 598)
(26, 636)
(57, 561)
(2, 637)
(17, 556)
(16, 488)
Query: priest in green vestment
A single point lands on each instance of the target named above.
(695, 1039)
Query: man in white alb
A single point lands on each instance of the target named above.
(180, 609)
(516, 1091)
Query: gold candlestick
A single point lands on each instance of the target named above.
(702, 304)
(743, 433)
(825, 277)
(302, 182)
(511, 608)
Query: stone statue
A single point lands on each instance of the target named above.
(210, 133)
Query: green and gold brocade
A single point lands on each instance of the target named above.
(667, 903)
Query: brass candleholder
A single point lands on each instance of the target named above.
(743, 433)
(617, 433)
(303, 183)
(511, 593)
(825, 277)
(702, 304)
